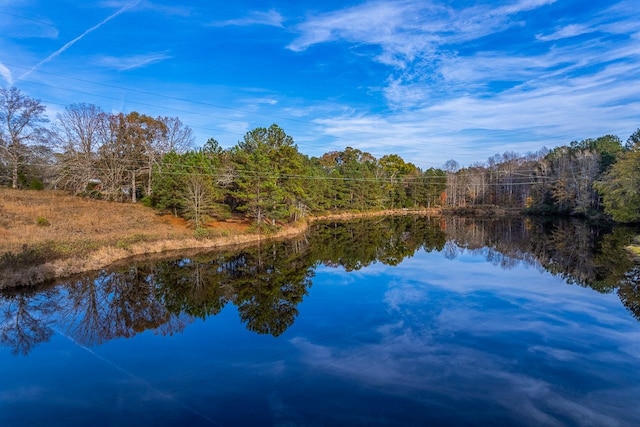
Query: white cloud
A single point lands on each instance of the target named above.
(449, 101)
(406, 29)
(132, 62)
(170, 10)
(443, 341)
(271, 18)
(572, 30)
(5, 73)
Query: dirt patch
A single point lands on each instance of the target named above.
(234, 225)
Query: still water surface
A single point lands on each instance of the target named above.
(395, 321)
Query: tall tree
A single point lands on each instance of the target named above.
(77, 131)
(132, 145)
(177, 136)
(21, 125)
(268, 175)
(633, 143)
(620, 188)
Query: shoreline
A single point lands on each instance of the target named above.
(106, 255)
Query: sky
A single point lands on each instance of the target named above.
(428, 80)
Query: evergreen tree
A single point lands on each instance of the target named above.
(620, 188)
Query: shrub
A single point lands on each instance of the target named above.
(201, 233)
(42, 222)
(36, 184)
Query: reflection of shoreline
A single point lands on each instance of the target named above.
(106, 256)
(267, 281)
(266, 284)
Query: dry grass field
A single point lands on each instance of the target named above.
(49, 234)
(70, 224)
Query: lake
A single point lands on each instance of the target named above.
(406, 321)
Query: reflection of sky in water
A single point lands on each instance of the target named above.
(516, 344)
(432, 341)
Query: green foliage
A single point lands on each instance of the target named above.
(201, 233)
(269, 168)
(263, 228)
(620, 188)
(36, 184)
(42, 222)
(266, 178)
(147, 201)
(186, 184)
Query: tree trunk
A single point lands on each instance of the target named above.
(133, 187)
(14, 176)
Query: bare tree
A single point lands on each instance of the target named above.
(112, 159)
(78, 132)
(198, 199)
(131, 145)
(21, 119)
(178, 137)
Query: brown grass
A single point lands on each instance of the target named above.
(66, 223)
(48, 234)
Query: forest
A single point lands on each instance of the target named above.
(153, 160)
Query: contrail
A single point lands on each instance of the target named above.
(72, 42)
(159, 393)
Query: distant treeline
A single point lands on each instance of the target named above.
(135, 157)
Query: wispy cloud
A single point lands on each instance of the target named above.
(24, 27)
(6, 74)
(406, 29)
(271, 18)
(80, 37)
(572, 30)
(440, 93)
(170, 10)
(131, 62)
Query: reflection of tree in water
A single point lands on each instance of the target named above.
(629, 291)
(193, 286)
(114, 305)
(575, 250)
(357, 244)
(269, 286)
(268, 282)
(26, 317)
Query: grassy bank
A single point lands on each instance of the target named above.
(48, 234)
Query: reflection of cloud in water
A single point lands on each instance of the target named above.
(23, 394)
(404, 293)
(557, 353)
(419, 370)
(520, 340)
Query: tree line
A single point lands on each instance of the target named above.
(583, 178)
(135, 157)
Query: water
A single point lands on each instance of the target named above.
(396, 321)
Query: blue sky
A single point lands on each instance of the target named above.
(429, 80)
